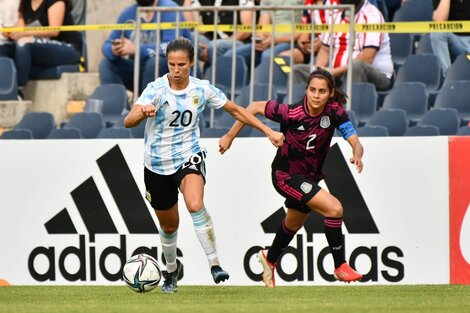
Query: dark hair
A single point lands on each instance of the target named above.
(181, 44)
(339, 95)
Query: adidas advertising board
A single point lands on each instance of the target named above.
(73, 211)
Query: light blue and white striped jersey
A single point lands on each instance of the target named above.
(172, 135)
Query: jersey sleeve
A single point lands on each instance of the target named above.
(215, 97)
(276, 111)
(150, 95)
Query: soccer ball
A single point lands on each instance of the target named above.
(142, 273)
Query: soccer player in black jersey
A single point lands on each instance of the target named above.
(308, 127)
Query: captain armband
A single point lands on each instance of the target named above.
(347, 129)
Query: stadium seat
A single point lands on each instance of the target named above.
(424, 45)
(40, 124)
(90, 123)
(52, 72)
(423, 68)
(224, 77)
(115, 101)
(115, 132)
(393, 119)
(410, 97)
(422, 130)
(372, 131)
(414, 10)
(65, 133)
(352, 117)
(446, 119)
(17, 134)
(225, 120)
(260, 92)
(363, 101)
(401, 46)
(463, 131)
(298, 93)
(8, 80)
(280, 78)
(214, 132)
(459, 69)
(455, 95)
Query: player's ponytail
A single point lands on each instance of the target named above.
(181, 44)
(339, 95)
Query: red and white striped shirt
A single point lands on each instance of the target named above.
(367, 14)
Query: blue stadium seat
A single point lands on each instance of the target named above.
(115, 101)
(372, 131)
(401, 46)
(52, 72)
(40, 124)
(17, 134)
(463, 131)
(260, 92)
(115, 132)
(459, 69)
(298, 93)
(423, 68)
(363, 101)
(280, 78)
(422, 130)
(393, 119)
(410, 97)
(414, 10)
(224, 77)
(446, 119)
(65, 133)
(424, 45)
(455, 95)
(90, 123)
(225, 120)
(352, 117)
(8, 80)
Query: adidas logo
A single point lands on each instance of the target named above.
(92, 208)
(301, 127)
(97, 219)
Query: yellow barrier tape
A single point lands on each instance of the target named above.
(401, 27)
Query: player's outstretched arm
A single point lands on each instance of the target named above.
(358, 152)
(138, 113)
(246, 116)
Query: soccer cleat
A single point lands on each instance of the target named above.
(218, 274)
(346, 273)
(268, 269)
(170, 283)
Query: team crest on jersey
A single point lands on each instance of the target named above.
(325, 122)
(306, 187)
(148, 196)
(196, 100)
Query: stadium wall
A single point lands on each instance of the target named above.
(72, 211)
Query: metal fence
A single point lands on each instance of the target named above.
(179, 24)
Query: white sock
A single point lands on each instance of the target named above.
(204, 228)
(169, 249)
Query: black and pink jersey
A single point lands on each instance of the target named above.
(307, 137)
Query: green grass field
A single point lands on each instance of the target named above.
(348, 298)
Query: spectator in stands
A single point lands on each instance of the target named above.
(224, 39)
(372, 59)
(119, 49)
(302, 52)
(263, 40)
(43, 48)
(447, 46)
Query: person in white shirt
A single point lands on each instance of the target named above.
(174, 158)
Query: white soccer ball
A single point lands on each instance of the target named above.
(142, 273)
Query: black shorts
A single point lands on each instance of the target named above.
(297, 189)
(162, 190)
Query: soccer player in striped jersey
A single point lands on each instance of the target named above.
(308, 127)
(173, 157)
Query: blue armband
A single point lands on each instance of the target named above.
(347, 129)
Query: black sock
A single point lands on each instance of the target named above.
(335, 238)
(280, 242)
